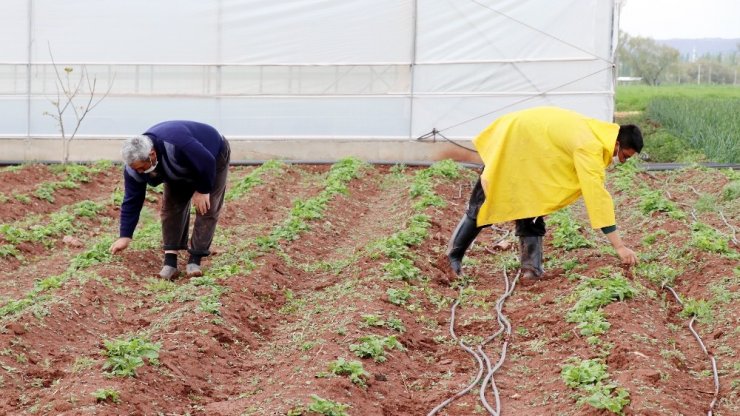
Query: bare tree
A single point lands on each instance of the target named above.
(645, 57)
(72, 95)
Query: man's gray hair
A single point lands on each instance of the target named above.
(136, 148)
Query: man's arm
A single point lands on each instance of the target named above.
(133, 200)
(590, 171)
(627, 256)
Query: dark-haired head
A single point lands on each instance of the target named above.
(630, 137)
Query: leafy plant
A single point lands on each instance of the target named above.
(210, 304)
(97, 254)
(697, 307)
(106, 394)
(399, 296)
(395, 324)
(588, 376)
(45, 191)
(374, 346)
(658, 273)
(126, 355)
(87, 209)
(624, 175)
(353, 369)
(731, 191)
(336, 182)
(24, 199)
(327, 407)
(246, 184)
(654, 201)
(707, 238)
(372, 320)
(447, 168)
(566, 234)
(7, 250)
(584, 373)
(650, 238)
(401, 269)
(593, 294)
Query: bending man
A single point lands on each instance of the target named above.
(192, 161)
(536, 162)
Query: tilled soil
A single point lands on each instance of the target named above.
(281, 315)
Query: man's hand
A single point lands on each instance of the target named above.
(627, 256)
(119, 245)
(202, 202)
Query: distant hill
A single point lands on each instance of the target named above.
(702, 46)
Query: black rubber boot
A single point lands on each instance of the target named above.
(530, 257)
(460, 241)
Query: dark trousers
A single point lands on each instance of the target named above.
(175, 212)
(525, 227)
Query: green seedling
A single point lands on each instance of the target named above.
(242, 187)
(9, 250)
(567, 232)
(311, 209)
(374, 346)
(107, 394)
(395, 324)
(707, 238)
(353, 369)
(624, 175)
(697, 307)
(372, 320)
(731, 191)
(399, 297)
(23, 199)
(402, 269)
(657, 273)
(588, 377)
(650, 238)
(126, 355)
(593, 294)
(327, 407)
(87, 209)
(654, 201)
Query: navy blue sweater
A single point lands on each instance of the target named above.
(186, 152)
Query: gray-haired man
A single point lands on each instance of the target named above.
(192, 161)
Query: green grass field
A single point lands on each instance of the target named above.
(687, 123)
(637, 97)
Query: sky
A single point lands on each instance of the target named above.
(687, 19)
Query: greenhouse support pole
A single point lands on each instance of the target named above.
(219, 63)
(412, 68)
(616, 12)
(28, 73)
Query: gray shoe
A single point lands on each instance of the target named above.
(169, 272)
(193, 270)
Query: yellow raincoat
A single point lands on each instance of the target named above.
(540, 160)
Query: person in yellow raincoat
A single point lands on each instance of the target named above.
(537, 161)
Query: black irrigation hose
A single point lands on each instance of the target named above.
(480, 356)
(710, 412)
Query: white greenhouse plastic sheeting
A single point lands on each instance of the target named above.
(320, 69)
